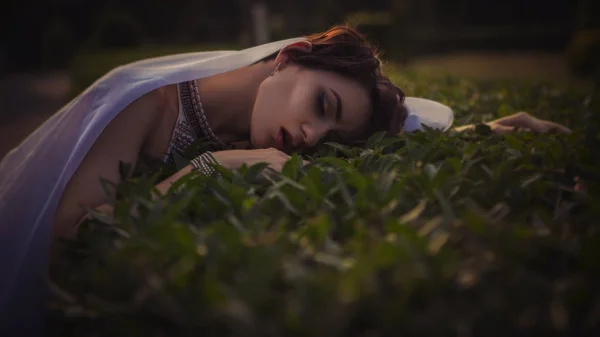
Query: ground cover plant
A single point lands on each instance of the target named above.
(425, 234)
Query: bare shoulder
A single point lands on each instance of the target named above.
(148, 108)
(156, 143)
(120, 141)
(123, 137)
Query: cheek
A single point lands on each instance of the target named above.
(259, 113)
(300, 103)
(279, 100)
(265, 113)
(270, 96)
(269, 101)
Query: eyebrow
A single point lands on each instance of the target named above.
(338, 113)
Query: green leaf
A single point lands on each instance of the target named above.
(292, 166)
(454, 163)
(414, 213)
(341, 186)
(430, 226)
(375, 139)
(255, 171)
(104, 218)
(483, 130)
(276, 194)
(430, 170)
(341, 148)
(437, 241)
(125, 170)
(514, 153)
(531, 180)
(108, 187)
(335, 162)
(180, 160)
(513, 141)
(446, 206)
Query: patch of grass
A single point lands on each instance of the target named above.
(425, 234)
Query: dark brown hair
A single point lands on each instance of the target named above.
(345, 51)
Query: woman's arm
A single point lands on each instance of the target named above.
(162, 187)
(121, 140)
(521, 120)
(230, 159)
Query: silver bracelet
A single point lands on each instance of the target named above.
(205, 163)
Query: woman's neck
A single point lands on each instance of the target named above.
(228, 100)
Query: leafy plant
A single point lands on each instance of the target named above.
(424, 234)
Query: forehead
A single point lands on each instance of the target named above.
(355, 99)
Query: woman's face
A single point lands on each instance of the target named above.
(296, 107)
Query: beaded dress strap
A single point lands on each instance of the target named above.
(192, 125)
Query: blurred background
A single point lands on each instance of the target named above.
(51, 50)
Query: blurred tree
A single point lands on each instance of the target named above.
(583, 51)
(255, 29)
(117, 28)
(399, 28)
(245, 35)
(57, 44)
(260, 22)
(32, 27)
(588, 15)
(298, 17)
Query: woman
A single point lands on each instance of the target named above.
(275, 99)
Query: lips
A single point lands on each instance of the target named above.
(286, 137)
(281, 139)
(284, 140)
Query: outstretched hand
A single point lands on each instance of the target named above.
(520, 121)
(523, 120)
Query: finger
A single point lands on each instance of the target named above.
(544, 126)
(531, 123)
(551, 126)
(509, 120)
(276, 152)
(501, 129)
(524, 120)
(276, 167)
(518, 119)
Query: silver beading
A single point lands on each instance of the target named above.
(205, 163)
(199, 110)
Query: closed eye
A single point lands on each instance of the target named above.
(321, 103)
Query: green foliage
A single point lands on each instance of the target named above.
(424, 234)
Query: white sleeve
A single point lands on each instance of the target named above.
(430, 113)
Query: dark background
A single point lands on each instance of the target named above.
(47, 34)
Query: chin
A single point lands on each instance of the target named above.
(257, 143)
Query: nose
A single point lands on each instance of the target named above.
(314, 132)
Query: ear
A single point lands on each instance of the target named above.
(301, 46)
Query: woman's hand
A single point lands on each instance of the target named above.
(521, 120)
(233, 159)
